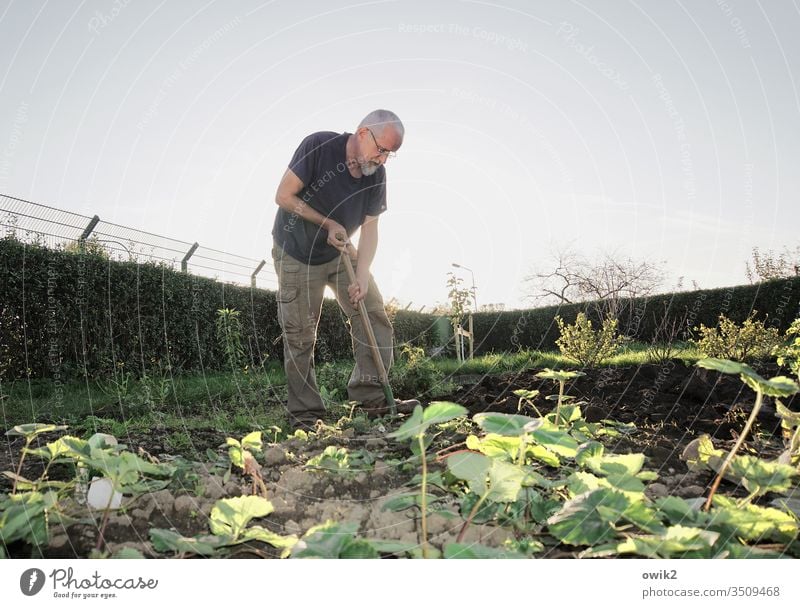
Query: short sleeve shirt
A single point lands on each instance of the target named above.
(328, 187)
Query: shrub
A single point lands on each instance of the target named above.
(414, 374)
(751, 341)
(332, 379)
(789, 354)
(585, 345)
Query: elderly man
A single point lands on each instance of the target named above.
(335, 184)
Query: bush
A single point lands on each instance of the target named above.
(332, 379)
(415, 374)
(789, 354)
(587, 346)
(751, 341)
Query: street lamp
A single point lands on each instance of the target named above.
(474, 290)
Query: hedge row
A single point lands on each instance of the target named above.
(66, 314)
(777, 302)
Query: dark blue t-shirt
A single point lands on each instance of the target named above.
(329, 188)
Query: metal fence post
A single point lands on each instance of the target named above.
(185, 260)
(88, 230)
(255, 272)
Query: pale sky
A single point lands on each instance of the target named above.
(661, 130)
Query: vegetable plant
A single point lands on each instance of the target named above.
(415, 429)
(241, 454)
(560, 376)
(779, 386)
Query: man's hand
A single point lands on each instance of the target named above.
(337, 235)
(358, 290)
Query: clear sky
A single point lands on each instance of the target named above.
(661, 130)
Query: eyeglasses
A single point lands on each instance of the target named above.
(381, 151)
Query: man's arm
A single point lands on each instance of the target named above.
(287, 199)
(367, 246)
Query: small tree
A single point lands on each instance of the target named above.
(611, 281)
(771, 265)
(461, 299)
(587, 346)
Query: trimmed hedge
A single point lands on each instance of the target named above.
(778, 301)
(84, 314)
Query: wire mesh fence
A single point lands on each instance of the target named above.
(57, 228)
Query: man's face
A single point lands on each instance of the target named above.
(375, 145)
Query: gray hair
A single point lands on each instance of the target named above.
(379, 119)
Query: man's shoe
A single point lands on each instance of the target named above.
(381, 408)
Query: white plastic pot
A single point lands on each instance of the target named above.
(100, 492)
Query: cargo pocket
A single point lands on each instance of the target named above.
(287, 293)
(289, 271)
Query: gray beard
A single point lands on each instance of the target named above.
(368, 168)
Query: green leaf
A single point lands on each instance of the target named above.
(54, 449)
(679, 510)
(581, 482)
(779, 386)
(169, 540)
(587, 450)
(23, 517)
(507, 425)
(644, 517)
(751, 522)
(499, 481)
(326, 541)
(440, 412)
(791, 418)
(252, 441)
(615, 464)
(475, 551)
(525, 393)
(472, 468)
(761, 476)
(556, 440)
(725, 366)
(505, 481)
(590, 518)
(675, 542)
(271, 538)
(32, 429)
(401, 502)
(437, 412)
(392, 547)
(230, 516)
(128, 553)
(558, 374)
(359, 549)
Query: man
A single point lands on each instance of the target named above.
(335, 184)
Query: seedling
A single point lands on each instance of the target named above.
(414, 429)
(241, 454)
(561, 377)
(526, 400)
(229, 523)
(780, 386)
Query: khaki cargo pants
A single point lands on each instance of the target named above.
(300, 292)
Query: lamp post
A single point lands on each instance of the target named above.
(474, 291)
